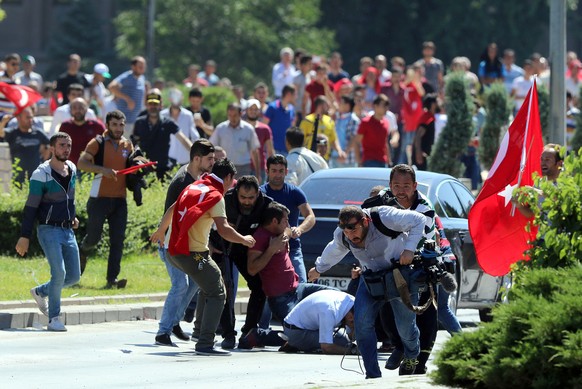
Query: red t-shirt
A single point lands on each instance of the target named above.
(81, 135)
(375, 139)
(315, 89)
(278, 277)
(264, 133)
(411, 108)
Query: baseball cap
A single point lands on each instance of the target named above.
(154, 98)
(102, 69)
(30, 59)
(251, 102)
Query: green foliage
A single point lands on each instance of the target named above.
(577, 138)
(456, 134)
(544, 107)
(2, 13)
(243, 36)
(216, 99)
(498, 111)
(142, 221)
(533, 342)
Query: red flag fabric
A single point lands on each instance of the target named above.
(19, 95)
(196, 199)
(500, 239)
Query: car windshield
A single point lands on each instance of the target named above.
(352, 191)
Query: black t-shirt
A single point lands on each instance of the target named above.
(66, 79)
(206, 117)
(63, 181)
(25, 146)
(180, 181)
(154, 139)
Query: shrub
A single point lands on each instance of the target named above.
(533, 342)
(498, 111)
(453, 141)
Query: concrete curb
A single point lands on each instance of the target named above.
(92, 310)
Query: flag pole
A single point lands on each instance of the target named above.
(523, 150)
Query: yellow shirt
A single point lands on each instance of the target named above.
(326, 127)
(199, 233)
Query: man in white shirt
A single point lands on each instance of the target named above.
(522, 84)
(185, 121)
(63, 112)
(301, 162)
(283, 72)
(311, 325)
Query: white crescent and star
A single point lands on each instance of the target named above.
(507, 193)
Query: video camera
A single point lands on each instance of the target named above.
(437, 267)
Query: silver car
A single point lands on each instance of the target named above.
(329, 190)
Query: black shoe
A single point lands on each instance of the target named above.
(119, 284)
(394, 360)
(164, 340)
(287, 348)
(408, 366)
(228, 343)
(82, 261)
(420, 369)
(211, 351)
(189, 315)
(178, 333)
(250, 340)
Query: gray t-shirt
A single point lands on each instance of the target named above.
(25, 146)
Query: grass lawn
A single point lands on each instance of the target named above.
(145, 274)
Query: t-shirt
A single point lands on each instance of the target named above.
(115, 154)
(206, 118)
(264, 133)
(238, 142)
(135, 89)
(321, 311)
(25, 146)
(179, 182)
(375, 139)
(291, 197)
(280, 119)
(81, 135)
(326, 127)
(315, 89)
(279, 276)
(67, 79)
(199, 232)
(154, 139)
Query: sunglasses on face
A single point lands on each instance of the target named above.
(349, 226)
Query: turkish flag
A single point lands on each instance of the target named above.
(500, 238)
(19, 95)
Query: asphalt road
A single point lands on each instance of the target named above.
(122, 355)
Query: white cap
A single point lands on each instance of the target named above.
(251, 102)
(102, 69)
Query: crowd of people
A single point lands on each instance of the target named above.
(234, 203)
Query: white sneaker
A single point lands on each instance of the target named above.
(40, 301)
(55, 324)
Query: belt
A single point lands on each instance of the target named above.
(290, 326)
(63, 224)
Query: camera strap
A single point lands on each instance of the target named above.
(404, 293)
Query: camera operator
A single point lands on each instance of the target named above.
(358, 233)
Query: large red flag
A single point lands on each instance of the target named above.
(19, 95)
(498, 233)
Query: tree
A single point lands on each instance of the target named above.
(498, 111)
(456, 134)
(241, 36)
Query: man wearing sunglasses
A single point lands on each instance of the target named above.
(375, 250)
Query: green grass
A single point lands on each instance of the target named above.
(145, 274)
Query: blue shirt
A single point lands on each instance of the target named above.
(135, 89)
(291, 197)
(511, 75)
(280, 119)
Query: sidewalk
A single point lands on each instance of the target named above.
(92, 310)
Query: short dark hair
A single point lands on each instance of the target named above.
(349, 100)
(201, 148)
(277, 159)
(381, 98)
(377, 189)
(288, 89)
(428, 45)
(247, 182)
(223, 168)
(137, 59)
(59, 135)
(260, 85)
(403, 168)
(274, 210)
(319, 101)
(428, 100)
(350, 211)
(12, 56)
(75, 86)
(195, 92)
(234, 106)
(305, 59)
(295, 137)
(116, 114)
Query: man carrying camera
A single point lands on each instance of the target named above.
(358, 233)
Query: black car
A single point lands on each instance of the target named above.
(329, 190)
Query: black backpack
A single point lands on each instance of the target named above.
(375, 216)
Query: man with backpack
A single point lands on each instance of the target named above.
(375, 238)
(301, 162)
(104, 156)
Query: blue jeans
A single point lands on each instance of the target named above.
(296, 256)
(61, 250)
(308, 340)
(283, 304)
(181, 291)
(365, 311)
(374, 164)
(446, 317)
(407, 139)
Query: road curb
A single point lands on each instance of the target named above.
(92, 310)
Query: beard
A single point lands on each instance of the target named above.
(62, 157)
(253, 119)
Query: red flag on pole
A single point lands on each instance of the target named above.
(497, 230)
(19, 95)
